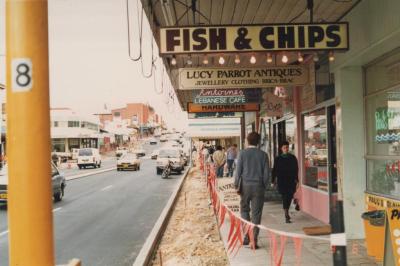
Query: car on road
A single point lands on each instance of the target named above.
(154, 154)
(170, 154)
(57, 179)
(153, 141)
(129, 161)
(163, 138)
(173, 143)
(121, 151)
(89, 157)
(139, 151)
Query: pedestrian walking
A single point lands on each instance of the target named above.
(54, 158)
(251, 180)
(231, 155)
(219, 159)
(285, 176)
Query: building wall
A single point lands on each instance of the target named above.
(104, 118)
(374, 31)
(140, 110)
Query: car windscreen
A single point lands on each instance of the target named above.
(169, 154)
(129, 156)
(85, 152)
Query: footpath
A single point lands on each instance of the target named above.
(280, 243)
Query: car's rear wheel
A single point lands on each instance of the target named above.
(59, 195)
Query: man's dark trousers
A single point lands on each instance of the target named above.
(230, 167)
(252, 200)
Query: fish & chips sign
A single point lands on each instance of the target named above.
(227, 78)
(245, 38)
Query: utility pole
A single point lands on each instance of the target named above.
(28, 134)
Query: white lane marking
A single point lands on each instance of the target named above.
(106, 188)
(56, 209)
(4, 233)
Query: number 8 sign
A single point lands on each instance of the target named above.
(21, 75)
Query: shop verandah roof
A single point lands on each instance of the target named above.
(165, 13)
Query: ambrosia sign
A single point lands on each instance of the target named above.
(204, 108)
(244, 38)
(226, 78)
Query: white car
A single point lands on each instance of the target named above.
(129, 161)
(89, 157)
(170, 154)
(120, 152)
(152, 141)
(163, 138)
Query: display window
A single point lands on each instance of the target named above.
(58, 145)
(316, 150)
(382, 116)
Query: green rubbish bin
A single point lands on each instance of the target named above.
(374, 226)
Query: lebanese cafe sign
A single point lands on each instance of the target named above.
(227, 78)
(227, 96)
(254, 38)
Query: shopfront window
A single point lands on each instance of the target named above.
(315, 149)
(58, 145)
(382, 106)
(89, 143)
(74, 144)
(383, 123)
(383, 177)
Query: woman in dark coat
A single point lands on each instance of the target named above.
(285, 175)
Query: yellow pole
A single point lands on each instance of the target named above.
(28, 134)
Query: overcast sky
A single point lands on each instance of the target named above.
(89, 62)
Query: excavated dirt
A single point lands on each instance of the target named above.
(192, 236)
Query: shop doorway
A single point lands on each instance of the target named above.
(284, 130)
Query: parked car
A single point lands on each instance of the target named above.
(154, 154)
(89, 157)
(153, 141)
(163, 138)
(57, 179)
(129, 161)
(170, 154)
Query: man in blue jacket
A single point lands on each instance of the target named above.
(251, 181)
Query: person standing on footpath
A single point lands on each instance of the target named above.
(231, 155)
(219, 159)
(251, 181)
(285, 175)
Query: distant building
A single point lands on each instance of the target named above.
(72, 131)
(135, 115)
